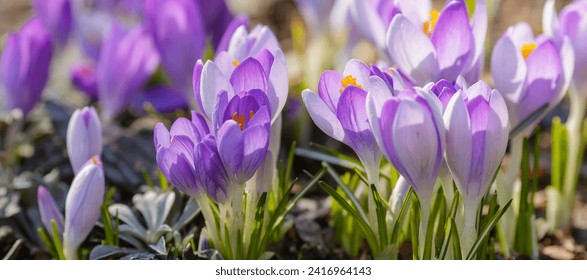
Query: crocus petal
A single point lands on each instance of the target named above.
(570, 67)
(412, 51)
(212, 83)
(84, 137)
(196, 79)
(249, 75)
(454, 56)
(458, 139)
(82, 207)
(185, 127)
(280, 83)
(161, 136)
(322, 116)
(211, 171)
(234, 24)
(544, 75)
(369, 22)
(256, 142)
(378, 94)
(497, 138)
(329, 87)
(178, 170)
(49, 210)
(417, 11)
(508, 69)
(479, 29)
(358, 70)
(163, 99)
(550, 21)
(231, 147)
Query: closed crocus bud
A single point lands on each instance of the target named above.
(56, 16)
(82, 206)
(427, 52)
(188, 157)
(84, 137)
(24, 67)
(530, 72)
(570, 23)
(127, 60)
(339, 110)
(179, 34)
(476, 121)
(49, 210)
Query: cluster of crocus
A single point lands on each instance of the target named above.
(216, 154)
(86, 194)
(24, 68)
(570, 27)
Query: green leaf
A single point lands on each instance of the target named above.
(398, 223)
(355, 202)
(456, 242)
(485, 231)
(414, 227)
(367, 231)
(57, 240)
(47, 241)
(381, 211)
(163, 184)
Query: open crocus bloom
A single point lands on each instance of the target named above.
(339, 109)
(445, 46)
(571, 23)
(260, 65)
(530, 72)
(187, 155)
(476, 121)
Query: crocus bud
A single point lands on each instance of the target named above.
(127, 60)
(178, 31)
(84, 137)
(24, 68)
(82, 206)
(477, 135)
(49, 210)
(57, 16)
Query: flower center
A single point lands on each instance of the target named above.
(528, 48)
(241, 119)
(428, 26)
(235, 63)
(349, 81)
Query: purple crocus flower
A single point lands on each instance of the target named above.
(236, 22)
(427, 52)
(530, 72)
(84, 137)
(372, 17)
(409, 130)
(127, 60)
(476, 122)
(92, 28)
(188, 156)
(570, 23)
(82, 206)
(57, 17)
(83, 77)
(179, 34)
(24, 68)
(217, 18)
(339, 110)
(265, 69)
(49, 210)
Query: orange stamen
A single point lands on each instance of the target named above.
(428, 26)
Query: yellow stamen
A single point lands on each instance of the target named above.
(235, 63)
(428, 26)
(528, 48)
(349, 81)
(94, 160)
(240, 119)
(171, 139)
(251, 114)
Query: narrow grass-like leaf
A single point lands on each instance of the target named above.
(57, 240)
(485, 231)
(400, 217)
(355, 202)
(368, 232)
(414, 227)
(47, 241)
(456, 241)
(381, 211)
